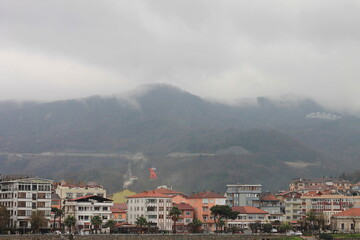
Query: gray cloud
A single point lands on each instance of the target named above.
(222, 50)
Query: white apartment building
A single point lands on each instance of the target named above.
(23, 195)
(85, 208)
(153, 206)
(247, 215)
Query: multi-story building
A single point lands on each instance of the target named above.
(269, 203)
(152, 205)
(202, 202)
(85, 208)
(118, 212)
(24, 195)
(301, 183)
(356, 187)
(186, 217)
(293, 210)
(328, 205)
(243, 195)
(246, 216)
(70, 191)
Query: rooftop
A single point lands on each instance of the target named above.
(183, 206)
(352, 212)
(151, 193)
(249, 210)
(206, 195)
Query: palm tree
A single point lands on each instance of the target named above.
(141, 221)
(175, 215)
(195, 225)
(96, 221)
(57, 213)
(110, 224)
(70, 222)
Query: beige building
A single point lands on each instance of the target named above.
(70, 191)
(328, 205)
(347, 221)
(292, 203)
(299, 184)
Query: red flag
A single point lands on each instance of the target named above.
(152, 173)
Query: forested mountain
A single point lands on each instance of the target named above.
(195, 144)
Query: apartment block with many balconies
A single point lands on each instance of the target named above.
(152, 205)
(22, 196)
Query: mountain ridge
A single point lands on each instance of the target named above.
(159, 120)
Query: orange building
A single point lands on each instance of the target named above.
(202, 202)
(118, 212)
(186, 217)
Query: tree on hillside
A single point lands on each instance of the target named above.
(70, 222)
(195, 226)
(141, 222)
(38, 220)
(4, 217)
(174, 214)
(96, 221)
(221, 212)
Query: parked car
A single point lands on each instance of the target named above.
(298, 233)
(274, 230)
(290, 233)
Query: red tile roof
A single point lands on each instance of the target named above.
(206, 195)
(184, 206)
(249, 210)
(166, 191)
(119, 208)
(151, 193)
(269, 197)
(353, 212)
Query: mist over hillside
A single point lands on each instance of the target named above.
(195, 144)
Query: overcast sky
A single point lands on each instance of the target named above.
(226, 49)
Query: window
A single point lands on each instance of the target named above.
(79, 195)
(187, 213)
(69, 195)
(205, 201)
